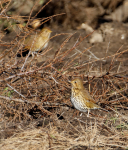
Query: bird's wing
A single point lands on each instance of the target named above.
(89, 101)
(91, 105)
(30, 42)
(88, 96)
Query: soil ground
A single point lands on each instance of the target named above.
(103, 68)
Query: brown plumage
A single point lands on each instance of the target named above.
(80, 97)
(38, 41)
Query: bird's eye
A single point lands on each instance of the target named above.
(74, 81)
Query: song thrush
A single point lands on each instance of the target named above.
(80, 97)
(38, 41)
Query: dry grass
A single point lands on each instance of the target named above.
(88, 137)
(38, 88)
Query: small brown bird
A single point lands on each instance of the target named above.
(80, 97)
(39, 41)
(35, 23)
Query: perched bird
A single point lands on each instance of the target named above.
(35, 23)
(38, 41)
(80, 97)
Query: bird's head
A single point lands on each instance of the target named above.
(46, 31)
(77, 83)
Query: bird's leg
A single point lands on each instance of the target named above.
(33, 55)
(88, 112)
